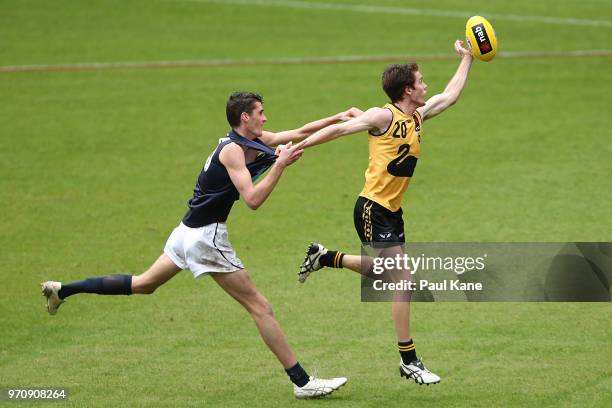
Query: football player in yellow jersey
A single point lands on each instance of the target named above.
(394, 138)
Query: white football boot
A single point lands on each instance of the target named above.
(50, 290)
(311, 261)
(318, 387)
(417, 372)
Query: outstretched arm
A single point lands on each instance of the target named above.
(372, 119)
(232, 157)
(439, 103)
(296, 135)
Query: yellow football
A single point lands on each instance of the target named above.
(481, 38)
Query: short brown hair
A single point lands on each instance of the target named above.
(239, 102)
(397, 77)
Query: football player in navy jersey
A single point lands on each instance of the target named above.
(200, 242)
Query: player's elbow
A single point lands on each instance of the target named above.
(250, 198)
(253, 205)
(453, 97)
(252, 202)
(447, 103)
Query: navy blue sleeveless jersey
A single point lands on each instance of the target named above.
(214, 193)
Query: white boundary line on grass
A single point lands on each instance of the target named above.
(374, 9)
(203, 63)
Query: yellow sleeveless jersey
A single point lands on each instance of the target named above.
(393, 155)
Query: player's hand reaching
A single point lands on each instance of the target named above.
(350, 114)
(288, 154)
(463, 52)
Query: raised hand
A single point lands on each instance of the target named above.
(460, 50)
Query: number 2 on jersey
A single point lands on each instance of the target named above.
(403, 165)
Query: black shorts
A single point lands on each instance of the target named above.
(375, 223)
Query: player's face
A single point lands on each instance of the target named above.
(256, 120)
(420, 89)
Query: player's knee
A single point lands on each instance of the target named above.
(263, 309)
(143, 286)
(148, 289)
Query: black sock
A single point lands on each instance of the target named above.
(297, 375)
(104, 285)
(332, 259)
(407, 351)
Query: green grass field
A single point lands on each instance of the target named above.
(97, 165)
